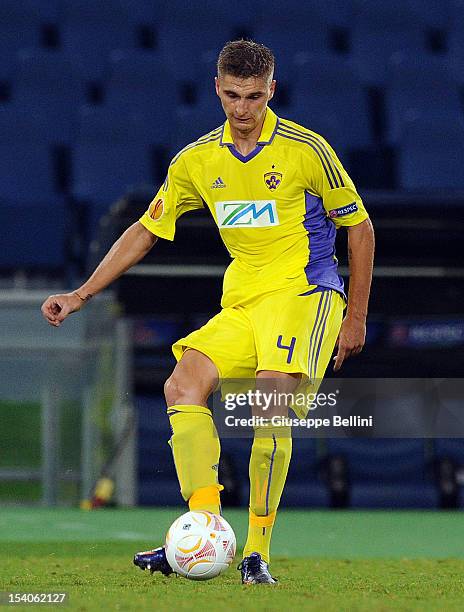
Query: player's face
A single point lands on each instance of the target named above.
(244, 101)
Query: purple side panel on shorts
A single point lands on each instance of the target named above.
(316, 323)
(317, 328)
(321, 337)
(322, 266)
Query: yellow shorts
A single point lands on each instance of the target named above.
(284, 331)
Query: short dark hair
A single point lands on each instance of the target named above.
(244, 59)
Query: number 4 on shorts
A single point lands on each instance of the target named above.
(288, 348)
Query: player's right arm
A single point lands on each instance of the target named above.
(176, 196)
(128, 250)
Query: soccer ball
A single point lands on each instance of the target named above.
(200, 545)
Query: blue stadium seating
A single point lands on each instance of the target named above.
(91, 30)
(343, 118)
(110, 155)
(452, 448)
(299, 28)
(420, 88)
(383, 29)
(26, 162)
(26, 172)
(192, 123)
(48, 85)
(456, 41)
(389, 460)
(158, 483)
(48, 88)
(33, 234)
(387, 473)
(189, 32)
(141, 84)
(20, 27)
(431, 154)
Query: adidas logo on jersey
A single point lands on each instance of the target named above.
(218, 184)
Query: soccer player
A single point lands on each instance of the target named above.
(278, 193)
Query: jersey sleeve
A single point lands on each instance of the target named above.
(327, 178)
(176, 196)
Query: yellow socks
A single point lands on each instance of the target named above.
(206, 498)
(196, 449)
(269, 461)
(259, 535)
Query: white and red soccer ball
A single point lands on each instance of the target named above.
(200, 545)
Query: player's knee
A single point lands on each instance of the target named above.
(180, 390)
(172, 390)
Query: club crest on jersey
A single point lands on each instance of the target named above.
(272, 180)
(246, 213)
(156, 209)
(344, 210)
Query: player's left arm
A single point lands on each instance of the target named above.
(361, 244)
(327, 178)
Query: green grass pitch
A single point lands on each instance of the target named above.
(329, 561)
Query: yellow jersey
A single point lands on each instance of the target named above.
(277, 209)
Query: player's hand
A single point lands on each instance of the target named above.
(350, 340)
(57, 307)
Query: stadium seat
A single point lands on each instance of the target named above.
(452, 448)
(91, 30)
(22, 25)
(157, 480)
(305, 494)
(383, 29)
(153, 435)
(33, 234)
(112, 154)
(141, 84)
(395, 496)
(342, 118)
(420, 88)
(189, 33)
(27, 173)
(391, 473)
(391, 460)
(430, 155)
(159, 492)
(48, 88)
(152, 417)
(192, 123)
(299, 28)
(456, 40)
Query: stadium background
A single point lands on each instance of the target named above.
(94, 99)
